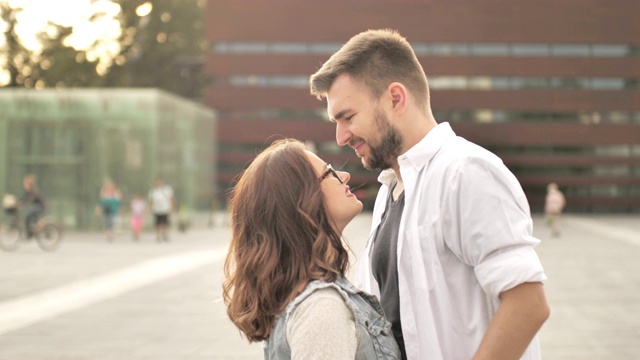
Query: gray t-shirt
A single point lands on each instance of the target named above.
(384, 263)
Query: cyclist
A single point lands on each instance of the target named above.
(33, 203)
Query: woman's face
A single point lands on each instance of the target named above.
(342, 205)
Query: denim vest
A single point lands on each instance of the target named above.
(375, 339)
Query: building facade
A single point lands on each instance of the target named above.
(552, 87)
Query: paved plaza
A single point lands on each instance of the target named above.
(94, 300)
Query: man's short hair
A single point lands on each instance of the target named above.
(376, 58)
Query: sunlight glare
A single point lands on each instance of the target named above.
(76, 14)
(5, 77)
(144, 9)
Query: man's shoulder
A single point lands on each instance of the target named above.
(460, 150)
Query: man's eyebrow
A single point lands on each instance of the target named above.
(339, 115)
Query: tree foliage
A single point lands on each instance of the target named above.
(162, 49)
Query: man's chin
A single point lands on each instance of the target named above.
(369, 166)
(365, 163)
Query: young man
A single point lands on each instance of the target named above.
(162, 203)
(33, 202)
(451, 253)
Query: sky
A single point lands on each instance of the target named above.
(75, 13)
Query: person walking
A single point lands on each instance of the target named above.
(553, 205)
(285, 271)
(108, 206)
(162, 203)
(451, 252)
(138, 212)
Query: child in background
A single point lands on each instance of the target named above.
(138, 207)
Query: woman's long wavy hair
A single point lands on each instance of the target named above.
(282, 238)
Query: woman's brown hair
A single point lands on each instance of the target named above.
(282, 238)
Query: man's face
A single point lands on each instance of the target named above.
(362, 123)
(27, 184)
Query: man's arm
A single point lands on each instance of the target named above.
(521, 313)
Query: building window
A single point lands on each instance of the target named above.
(441, 49)
(570, 50)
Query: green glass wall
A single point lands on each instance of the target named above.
(73, 140)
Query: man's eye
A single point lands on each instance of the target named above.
(349, 117)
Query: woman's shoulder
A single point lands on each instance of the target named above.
(320, 319)
(323, 305)
(327, 294)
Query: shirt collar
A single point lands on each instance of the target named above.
(421, 153)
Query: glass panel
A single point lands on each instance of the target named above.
(288, 48)
(448, 82)
(480, 83)
(530, 50)
(324, 48)
(607, 83)
(569, 50)
(632, 83)
(288, 81)
(248, 48)
(619, 117)
(569, 83)
(609, 50)
(489, 49)
(221, 48)
(523, 83)
(420, 49)
(460, 49)
(440, 49)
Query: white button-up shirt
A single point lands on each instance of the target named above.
(465, 236)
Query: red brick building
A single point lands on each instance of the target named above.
(552, 87)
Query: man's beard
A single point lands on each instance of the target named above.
(384, 153)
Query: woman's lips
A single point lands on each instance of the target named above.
(348, 192)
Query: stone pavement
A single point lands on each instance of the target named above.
(123, 300)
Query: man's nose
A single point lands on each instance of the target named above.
(343, 135)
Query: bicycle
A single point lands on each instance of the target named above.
(12, 232)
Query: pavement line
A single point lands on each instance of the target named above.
(31, 309)
(613, 232)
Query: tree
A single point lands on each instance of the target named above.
(163, 49)
(14, 54)
(61, 65)
(56, 64)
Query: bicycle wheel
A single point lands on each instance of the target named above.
(49, 237)
(10, 235)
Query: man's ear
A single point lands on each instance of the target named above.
(398, 94)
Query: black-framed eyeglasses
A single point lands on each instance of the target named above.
(332, 172)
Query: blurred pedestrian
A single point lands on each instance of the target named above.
(162, 204)
(553, 205)
(33, 202)
(108, 206)
(109, 201)
(138, 212)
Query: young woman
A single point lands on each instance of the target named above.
(108, 206)
(285, 271)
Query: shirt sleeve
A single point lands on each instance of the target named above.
(322, 327)
(491, 227)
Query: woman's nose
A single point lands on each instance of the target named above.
(345, 176)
